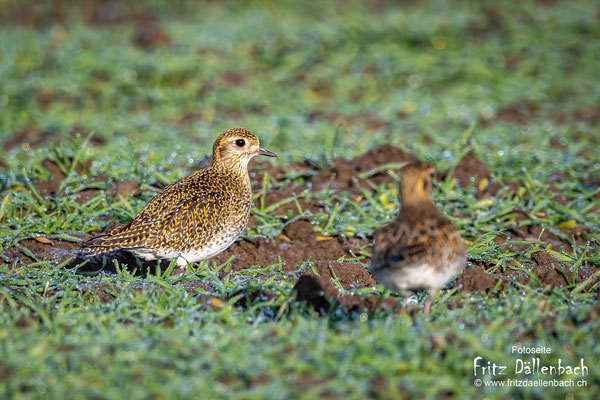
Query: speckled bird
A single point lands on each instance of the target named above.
(196, 217)
(421, 248)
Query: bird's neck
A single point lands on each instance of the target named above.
(416, 200)
(237, 169)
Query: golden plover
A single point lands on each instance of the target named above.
(196, 217)
(421, 248)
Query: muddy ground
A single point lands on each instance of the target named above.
(299, 242)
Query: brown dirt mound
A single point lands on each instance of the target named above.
(470, 169)
(356, 303)
(547, 269)
(148, 35)
(126, 187)
(28, 138)
(512, 115)
(519, 114)
(589, 114)
(549, 276)
(317, 291)
(525, 227)
(320, 293)
(299, 243)
(475, 280)
(43, 248)
(347, 171)
(51, 187)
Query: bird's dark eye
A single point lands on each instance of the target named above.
(240, 142)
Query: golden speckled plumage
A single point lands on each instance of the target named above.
(421, 248)
(197, 216)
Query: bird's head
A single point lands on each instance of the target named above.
(416, 182)
(235, 148)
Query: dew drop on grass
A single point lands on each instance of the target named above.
(487, 112)
(547, 126)
(414, 81)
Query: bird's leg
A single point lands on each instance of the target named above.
(428, 301)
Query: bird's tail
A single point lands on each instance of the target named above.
(96, 246)
(89, 251)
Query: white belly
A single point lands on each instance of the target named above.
(219, 243)
(419, 276)
(206, 252)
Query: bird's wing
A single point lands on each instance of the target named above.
(397, 246)
(162, 221)
(403, 243)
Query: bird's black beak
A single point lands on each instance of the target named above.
(263, 152)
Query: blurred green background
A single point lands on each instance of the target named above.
(167, 77)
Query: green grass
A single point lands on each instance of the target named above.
(304, 70)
